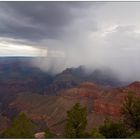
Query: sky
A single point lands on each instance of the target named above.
(69, 34)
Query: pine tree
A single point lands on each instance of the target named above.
(76, 122)
(21, 127)
(131, 112)
(112, 129)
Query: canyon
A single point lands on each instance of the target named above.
(46, 98)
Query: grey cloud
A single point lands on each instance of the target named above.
(38, 20)
(41, 20)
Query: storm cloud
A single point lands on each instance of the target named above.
(38, 20)
(95, 34)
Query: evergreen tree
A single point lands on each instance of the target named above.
(131, 112)
(76, 122)
(21, 127)
(112, 129)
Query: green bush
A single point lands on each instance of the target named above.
(95, 134)
(48, 134)
(136, 135)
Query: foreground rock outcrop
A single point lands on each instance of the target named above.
(40, 135)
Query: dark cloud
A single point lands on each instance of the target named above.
(38, 20)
